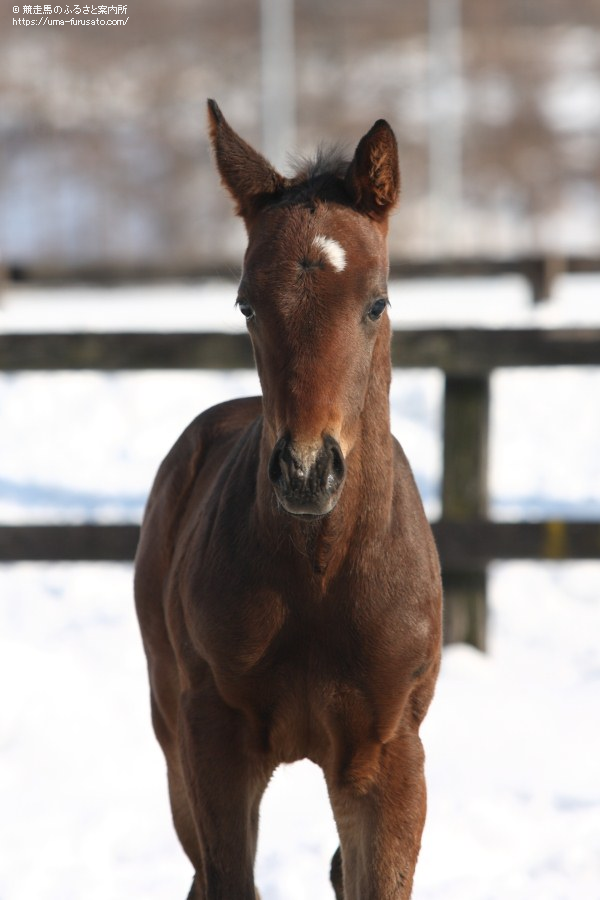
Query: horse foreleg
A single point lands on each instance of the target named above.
(380, 825)
(225, 781)
(193, 895)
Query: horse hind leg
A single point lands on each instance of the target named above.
(336, 874)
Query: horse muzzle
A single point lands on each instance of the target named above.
(307, 481)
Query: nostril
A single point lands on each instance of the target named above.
(275, 463)
(338, 464)
(335, 459)
(306, 480)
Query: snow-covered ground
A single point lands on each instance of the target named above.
(513, 737)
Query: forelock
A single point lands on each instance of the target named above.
(317, 178)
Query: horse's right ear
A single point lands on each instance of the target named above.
(249, 177)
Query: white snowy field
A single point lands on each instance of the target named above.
(513, 736)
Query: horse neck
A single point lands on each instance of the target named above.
(370, 480)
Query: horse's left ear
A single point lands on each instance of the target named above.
(249, 177)
(373, 177)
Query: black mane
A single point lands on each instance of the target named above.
(317, 178)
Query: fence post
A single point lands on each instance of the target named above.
(464, 498)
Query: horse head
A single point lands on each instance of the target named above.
(314, 295)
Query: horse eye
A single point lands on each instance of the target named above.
(245, 309)
(376, 311)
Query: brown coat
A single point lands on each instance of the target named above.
(287, 583)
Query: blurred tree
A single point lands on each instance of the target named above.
(105, 157)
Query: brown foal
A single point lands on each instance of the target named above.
(287, 583)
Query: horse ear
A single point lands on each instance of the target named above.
(373, 177)
(249, 177)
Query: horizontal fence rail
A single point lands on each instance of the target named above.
(465, 351)
(467, 545)
(539, 270)
(466, 539)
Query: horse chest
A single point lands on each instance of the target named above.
(318, 693)
(302, 675)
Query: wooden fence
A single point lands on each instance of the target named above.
(467, 540)
(538, 270)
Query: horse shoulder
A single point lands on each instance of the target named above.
(410, 582)
(191, 463)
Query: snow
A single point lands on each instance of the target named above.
(512, 752)
(523, 806)
(502, 302)
(512, 738)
